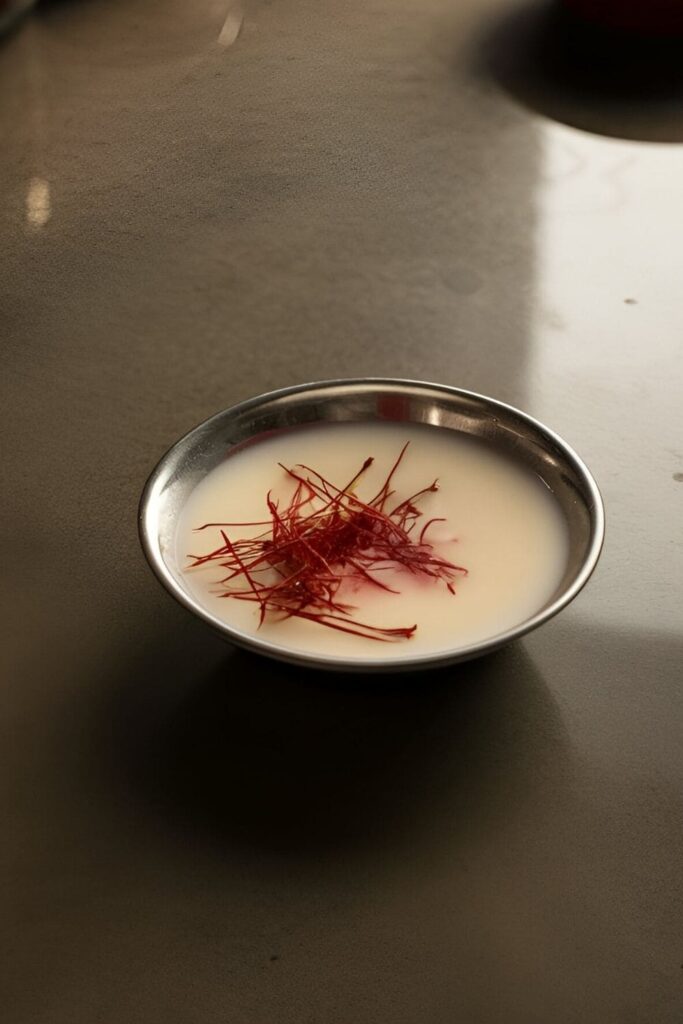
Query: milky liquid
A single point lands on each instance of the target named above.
(503, 525)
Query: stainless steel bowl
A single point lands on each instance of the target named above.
(511, 432)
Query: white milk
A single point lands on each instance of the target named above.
(509, 534)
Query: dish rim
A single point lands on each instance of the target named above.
(158, 478)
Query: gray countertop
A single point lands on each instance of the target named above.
(202, 202)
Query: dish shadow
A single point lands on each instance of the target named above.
(608, 82)
(270, 757)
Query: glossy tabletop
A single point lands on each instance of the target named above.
(203, 201)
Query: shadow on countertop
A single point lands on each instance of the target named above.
(294, 762)
(612, 83)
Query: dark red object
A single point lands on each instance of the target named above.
(655, 17)
(325, 536)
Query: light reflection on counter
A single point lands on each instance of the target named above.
(38, 204)
(232, 26)
(606, 337)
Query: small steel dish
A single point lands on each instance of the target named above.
(510, 431)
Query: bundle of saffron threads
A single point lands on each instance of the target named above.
(324, 537)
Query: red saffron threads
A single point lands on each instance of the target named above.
(325, 536)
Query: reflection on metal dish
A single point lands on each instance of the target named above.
(509, 433)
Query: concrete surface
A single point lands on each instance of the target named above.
(200, 202)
